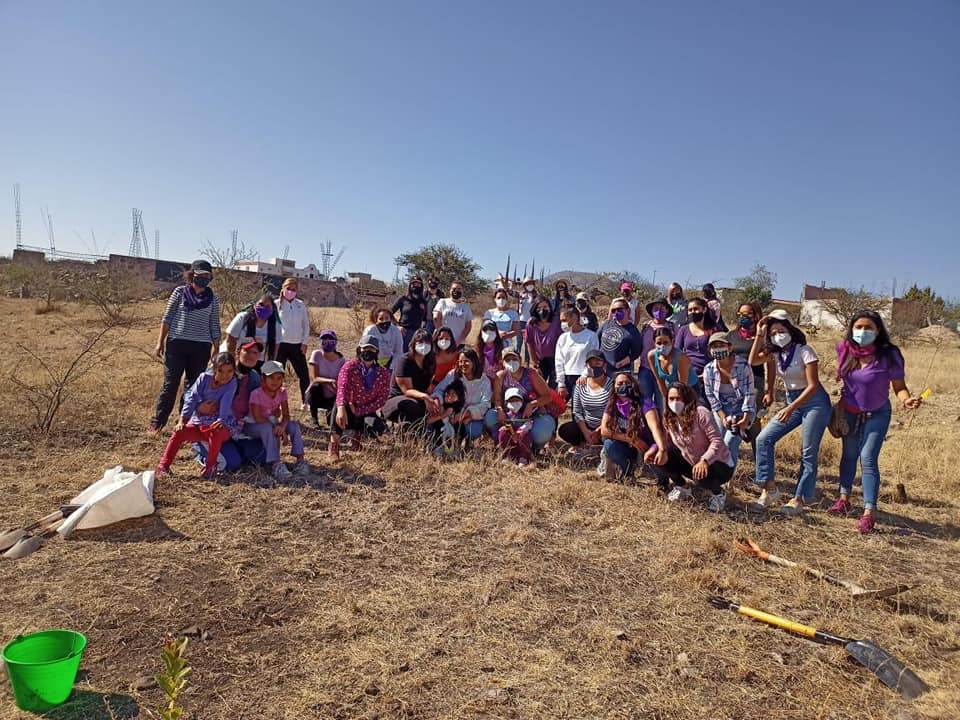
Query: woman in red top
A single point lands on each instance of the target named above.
(446, 353)
(363, 387)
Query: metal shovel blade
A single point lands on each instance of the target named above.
(25, 547)
(891, 672)
(11, 538)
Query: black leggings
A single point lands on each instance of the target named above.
(548, 371)
(294, 353)
(315, 398)
(570, 432)
(358, 424)
(403, 409)
(717, 472)
(180, 357)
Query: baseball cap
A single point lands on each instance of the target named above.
(778, 314)
(252, 345)
(719, 337)
(201, 266)
(328, 333)
(582, 296)
(626, 286)
(369, 341)
(271, 367)
(510, 351)
(512, 393)
(594, 354)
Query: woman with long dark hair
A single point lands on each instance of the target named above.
(868, 364)
(630, 427)
(189, 333)
(808, 407)
(257, 322)
(410, 398)
(489, 348)
(477, 394)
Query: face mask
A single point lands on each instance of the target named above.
(433, 286)
(416, 291)
(545, 314)
(422, 348)
(201, 281)
(619, 314)
(561, 291)
(369, 356)
(501, 303)
(243, 369)
(488, 336)
(665, 349)
(695, 317)
(676, 406)
(528, 288)
(289, 295)
(781, 339)
(659, 314)
(456, 294)
(383, 326)
(443, 343)
(514, 407)
(581, 304)
(623, 390)
(263, 312)
(720, 354)
(594, 371)
(745, 322)
(627, 293)
(565, 327)
(863, 337)
(675, 297)
(512, 366)
(328, 345)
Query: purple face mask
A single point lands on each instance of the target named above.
(659, 314)
(329, 345)
(619, 314)
(263, 312)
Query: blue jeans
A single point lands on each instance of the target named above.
(621, 454)
(544, 426)
(235, 453)
(812, 417)
(473, 429)
(731, 439)
(863, 443)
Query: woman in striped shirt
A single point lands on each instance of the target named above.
(189, 333)
(589, 403)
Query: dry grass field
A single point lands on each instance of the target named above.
(396, 586)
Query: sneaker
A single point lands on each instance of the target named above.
(840, 507)
(602, 465)
(522, 462)
(793, 507)
(680, 493)
(281, 471)
(767, 498)
(302, 469)
(162, 471)
(717, 502)
(865, 526)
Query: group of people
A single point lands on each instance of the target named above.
(666, 388)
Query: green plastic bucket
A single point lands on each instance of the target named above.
(42, 667)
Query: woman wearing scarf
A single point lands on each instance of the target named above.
(630, 427)
(363, 386)
(189, 333)
(658, 310)
(294, 332)
(808, 407)
(764, 370)
(258, 322)
(868, 364)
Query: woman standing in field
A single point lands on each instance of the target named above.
(189, 333)
(693, 338)
(294, 333)
(808, 407)
(258, 322)
(868, 364)
(543, 331)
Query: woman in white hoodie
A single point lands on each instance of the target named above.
(294, 332)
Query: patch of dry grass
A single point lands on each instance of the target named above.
(396, 586)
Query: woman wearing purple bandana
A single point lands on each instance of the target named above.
(258, 322)
(658, 310)
(619, 338)
(189, 333)
(489, 349)
(630, 427)
(868, 364)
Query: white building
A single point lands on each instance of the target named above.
(280, 266)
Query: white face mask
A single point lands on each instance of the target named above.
(488, 336)
(565, 327)
(528, 288)
(512, 365)
(514, 406)
(781, 339)
(422, 348)
(676, 406)
(665, 349)
(501, 303)
(443, 343)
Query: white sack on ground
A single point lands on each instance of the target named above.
(118, 495)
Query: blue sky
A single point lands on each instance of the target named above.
(688, 138)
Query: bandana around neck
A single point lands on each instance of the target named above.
(194, 301)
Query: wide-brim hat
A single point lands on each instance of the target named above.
(659, 301)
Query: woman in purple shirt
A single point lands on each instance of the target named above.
(868, 364)
(693, 338)
(543, 331)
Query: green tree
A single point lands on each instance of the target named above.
(933, 305)
(757, 286)
(447, 263)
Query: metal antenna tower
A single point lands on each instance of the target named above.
(143, 236)
(135, 238)
(156, 244)
(48, 221)
(233, 246)
(329, 261)
(16, 205)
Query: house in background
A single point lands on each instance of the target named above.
(282, 267)
(815, 309)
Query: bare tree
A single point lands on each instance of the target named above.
(112, 292)
(849, 302)
(235, 288)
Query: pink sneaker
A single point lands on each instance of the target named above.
(840, 507)
(865, 526)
